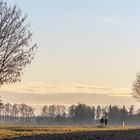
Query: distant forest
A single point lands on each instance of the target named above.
(79, 114)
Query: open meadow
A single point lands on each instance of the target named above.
(68, 133)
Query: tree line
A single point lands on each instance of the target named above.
(62, 115)
(16, 114)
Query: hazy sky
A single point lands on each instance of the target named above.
(91, 43)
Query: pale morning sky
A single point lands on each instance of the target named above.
(88, 51)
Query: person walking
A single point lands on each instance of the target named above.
(106, 122)
(102, 122)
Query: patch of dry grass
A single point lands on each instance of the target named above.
(17, 131)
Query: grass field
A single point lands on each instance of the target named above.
(68, 133)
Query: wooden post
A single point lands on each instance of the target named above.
(123, 123)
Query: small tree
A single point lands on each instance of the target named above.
(131, 110)
(16, 50)
(136, 87)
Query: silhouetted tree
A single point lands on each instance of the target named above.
(114, 114)
(93, 112)
(124, 113)
(61, 111)
(98, 112)
(8, 111)
(131, 110)
(44, 111)
(22, 113)
(1, 110)
(52, 111)
(82, 113)
(136, 87)
(16, 111)
(72, 111)
(16, 50)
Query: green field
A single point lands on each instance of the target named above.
(68, 133)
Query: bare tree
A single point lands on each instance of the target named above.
(44, 111)
(8, 110)
(15, 112)
(1, 110)
(98, 112)
(16, 48)
(136, 87)
(131, 110)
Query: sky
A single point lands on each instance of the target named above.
(88, 51)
